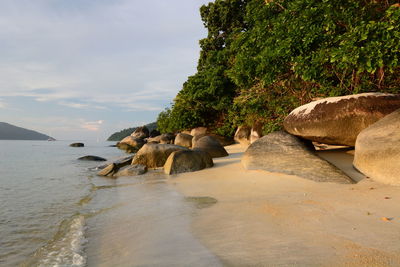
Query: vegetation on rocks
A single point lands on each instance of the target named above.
(262, 58)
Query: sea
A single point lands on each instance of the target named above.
(55, 211)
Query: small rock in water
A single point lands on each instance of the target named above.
(92, 158)
(77, 145)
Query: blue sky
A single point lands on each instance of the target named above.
(83, 69)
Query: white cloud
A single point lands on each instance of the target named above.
(91, 125)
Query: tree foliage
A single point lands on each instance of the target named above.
(263, 58)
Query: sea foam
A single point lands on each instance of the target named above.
(67, 247)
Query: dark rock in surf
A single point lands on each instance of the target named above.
(92, 158)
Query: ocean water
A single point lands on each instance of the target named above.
(55, 211)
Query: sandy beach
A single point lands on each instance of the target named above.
(271, 219)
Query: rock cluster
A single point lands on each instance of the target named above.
(369, 121)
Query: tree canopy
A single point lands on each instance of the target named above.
(262, 58)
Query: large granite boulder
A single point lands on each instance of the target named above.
(198, 131)
(183, 139)
(377, 152)
(338, 120)
(131, 144)
(242, 135)
(77, 145)
(92, 158)
(141, 132)
(155, 155)
(187, 161)
(224, 141)
(285, 153)
(211, 145)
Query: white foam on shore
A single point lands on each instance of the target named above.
(307, 108)
(68, 250)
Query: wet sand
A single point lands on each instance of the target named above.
(271, 219)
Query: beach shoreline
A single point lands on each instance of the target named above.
(271, 219)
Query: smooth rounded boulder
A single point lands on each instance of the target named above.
(210, 145)
(242, 135)
(77, 145)
(224, 141)
(183, 139)
(187, 161)
(377, 151)
(284, 153)
(338, 120)
(131, 144)
(198, 131)
(155, 155)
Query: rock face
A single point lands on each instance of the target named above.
(141, 132)
(182, 139)
(377, 152)
(131, 144)
(285, 153)
(187, 161)
(242, 135)
(92, 158)
(198, 131)
(210, 145)
(77, 145)
(155, 155)
(338, 120)
(132, 170)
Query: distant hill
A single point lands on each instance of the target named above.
(11, 132)
(118, 136)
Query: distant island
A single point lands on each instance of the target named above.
(118, 136)
(11, 132)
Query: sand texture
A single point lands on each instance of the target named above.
(260, 218)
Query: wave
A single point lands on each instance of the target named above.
(66, 248)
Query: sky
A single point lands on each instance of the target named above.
(83, 69)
